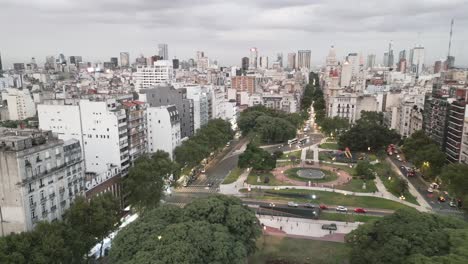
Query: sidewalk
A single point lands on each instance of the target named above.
(305, 228)
(233, 188)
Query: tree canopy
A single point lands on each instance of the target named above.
(335, 125)
(217, 229)
(455, 177)
(364, 170)
(368, 132)
(209, 138)
(272, 126)
(408, 236)
(424, 153)
(85, 224)
(257, 159)
(146, 179)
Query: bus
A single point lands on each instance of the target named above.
(303, 140)
(292, 141)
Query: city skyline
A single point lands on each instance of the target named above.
(95, 32)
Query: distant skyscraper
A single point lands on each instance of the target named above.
(124, 59)
(291, 61)
(61, 59)
(1, 66)
(245, 63)
(264, 62)
(175, 63)
(303, 59)
(437, 66)
(418, 60)
(279, 59)
(410, 58)
(370, 61)
(390, 59)
(402, 55)
(253, 58)
(385, 59)
(163, 51)
(450, 62)
(18, 66)
(114, 61)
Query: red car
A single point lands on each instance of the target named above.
(323, 207)
(360, 210)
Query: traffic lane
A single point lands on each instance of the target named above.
(285, 147)
(331, 208)
(422, 186)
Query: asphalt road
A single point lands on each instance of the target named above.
(422, 186)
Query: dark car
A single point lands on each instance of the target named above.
(309, 205)
(329, 227)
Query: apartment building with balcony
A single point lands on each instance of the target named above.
(136, 129)
(435, 119)
(464, 144)
(456, 119)
(40, 176)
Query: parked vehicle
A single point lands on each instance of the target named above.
(453, 204)
(329, 227)
(441, 199)
(293, 204)
(360, 210)
(341, 209)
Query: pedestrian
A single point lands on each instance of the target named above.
(297, 223)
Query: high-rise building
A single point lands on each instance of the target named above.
(264, 62)
(114, 61)
(175, 63)
(19, 103)
(417, 65)
(437, 66)
(1, 65)
(50, 63)
(167, 95)
(41, 176)
(163, 51)
(402, 65)
(402, 55)
(18, 66)
(163, 129)
(303, 59)
(124, 59)
(245, 63)
(253, 58)
(450, 62)
(370, 61)
(292, 61)
(279, 59)
(101, 126)
(158, 73)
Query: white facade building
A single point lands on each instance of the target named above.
(100, 126)
(163, 129)
(40, 176)
(20, 103)
(161, 72)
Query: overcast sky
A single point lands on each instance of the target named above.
(225, 30)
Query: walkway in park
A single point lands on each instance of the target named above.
(305, 228)
(343, 176)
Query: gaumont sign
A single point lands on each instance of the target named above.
(94, 180)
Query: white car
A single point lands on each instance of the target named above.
(271, 205)
(341, 209)
(293, 204)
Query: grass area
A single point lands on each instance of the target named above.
(233, 175)
(274, 249)
(333, 198)
(252, 179)
(351, 171)
(329, 146)
(292, 174)
(389, 179)
(296, 153)
(351, 217)
(333, 140)
(355, 185)
(284, 163)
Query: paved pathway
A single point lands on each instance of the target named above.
(305, 228)
(279, 173)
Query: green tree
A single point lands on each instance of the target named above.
(146, 179)
(454, 176)
(335, 125)
(403, 236)
(364, 170)
(257, 159)
(216, 229)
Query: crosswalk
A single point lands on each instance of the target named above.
(197, 189)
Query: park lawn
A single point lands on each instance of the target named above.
(351, 217)
(351, 171)
(355, 185)
(388, 176)
(252, 179)
(233, 175)
(329, 146)
(277, 249)
(292, 174)
(284, 163)
(296, 153)
(333, 198)
(331, 140)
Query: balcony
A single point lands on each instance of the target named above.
(52, 196)
(63, 203)
(53, 208)
(43, 199)
(45, 213)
